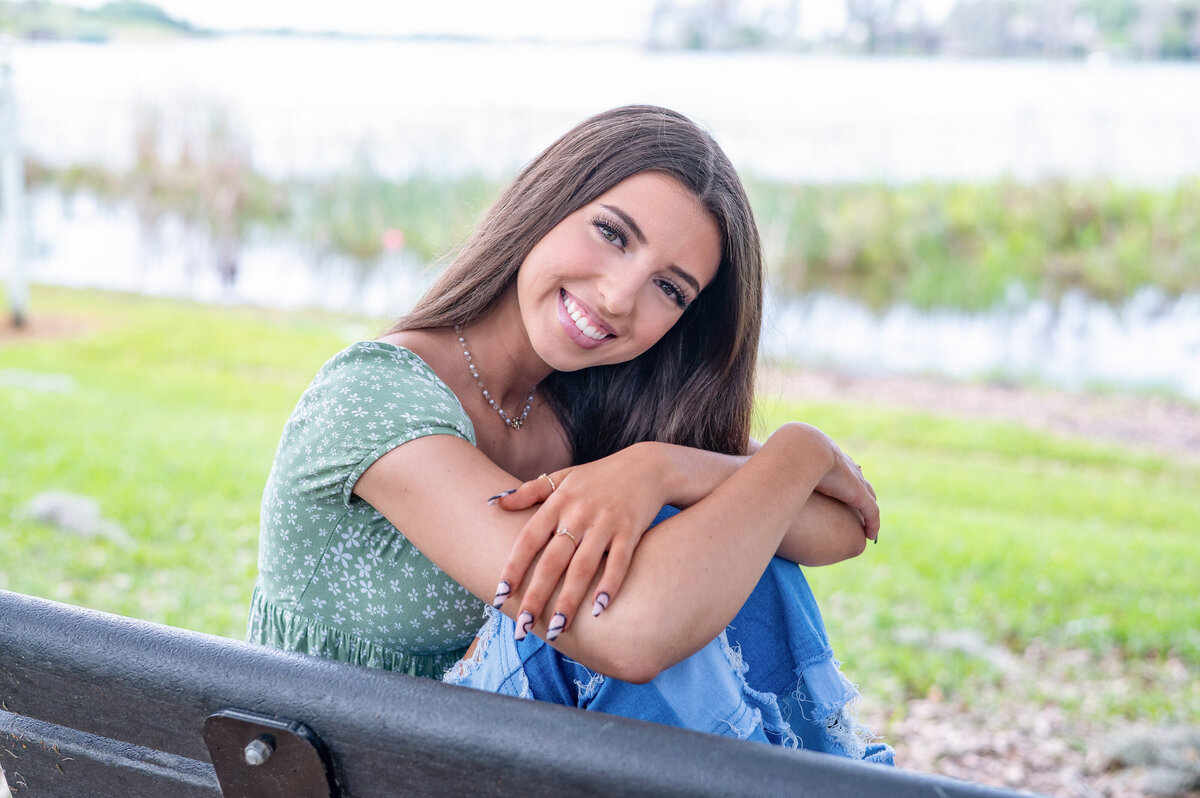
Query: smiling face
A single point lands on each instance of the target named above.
(608, 281)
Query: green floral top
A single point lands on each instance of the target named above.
(336, 579)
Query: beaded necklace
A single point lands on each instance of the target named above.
(514, 423)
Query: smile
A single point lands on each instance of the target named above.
(578, 322)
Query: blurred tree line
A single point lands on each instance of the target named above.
(118, 19)
(1150, 29)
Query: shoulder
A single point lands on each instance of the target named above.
(378, 381)
(376, 369)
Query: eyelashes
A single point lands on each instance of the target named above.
(615, 233)
(612, 231)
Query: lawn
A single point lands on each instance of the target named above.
(995, 538)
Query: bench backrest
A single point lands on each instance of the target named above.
(93, 704)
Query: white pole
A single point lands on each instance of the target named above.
(12, 184)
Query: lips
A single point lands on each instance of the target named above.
(581, 323)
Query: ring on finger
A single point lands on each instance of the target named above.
(562, 530)
(546, 477)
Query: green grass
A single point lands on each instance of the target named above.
(172, 425)
(1020, 537)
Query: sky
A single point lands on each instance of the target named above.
(556, 20)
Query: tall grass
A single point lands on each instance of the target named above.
(966, 246)
(976, 245)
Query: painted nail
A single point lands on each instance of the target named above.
(524, 624)
(557, 624)
(500, 496)
(502, 592)
(600, 605)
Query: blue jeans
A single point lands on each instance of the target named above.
(769, 677)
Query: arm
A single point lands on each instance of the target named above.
(689, 579)
(825, 531)
(608, 504)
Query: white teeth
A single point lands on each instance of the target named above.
(582, 322)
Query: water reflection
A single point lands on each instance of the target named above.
(1149, 342)
(80, 241)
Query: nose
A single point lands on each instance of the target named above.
(619, 290)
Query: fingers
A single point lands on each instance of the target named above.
(529, 493)
(615, 569)
(532, 538)
(846, 483)
(580, 575)
(556, 556)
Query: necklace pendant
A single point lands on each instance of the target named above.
(515, 423)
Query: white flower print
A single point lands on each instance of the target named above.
(340, 555)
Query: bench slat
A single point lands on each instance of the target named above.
(153, 686)
(54, 760)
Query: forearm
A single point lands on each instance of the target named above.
(823, 532)
(694, 571)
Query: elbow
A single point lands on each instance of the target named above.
(855, 546)
(636, 654)
(632, 663)
(847, 549)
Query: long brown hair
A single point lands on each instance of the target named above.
(695, 386)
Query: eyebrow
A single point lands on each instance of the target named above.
(640, 236)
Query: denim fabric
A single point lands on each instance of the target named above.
(769, 677)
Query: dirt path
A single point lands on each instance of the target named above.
(1155, 423)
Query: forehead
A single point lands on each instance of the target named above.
(677, 227)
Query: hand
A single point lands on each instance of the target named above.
(843, 480)
(597, 509)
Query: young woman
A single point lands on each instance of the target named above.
(586, 360)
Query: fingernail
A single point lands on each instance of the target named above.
(500, 496)
(524, 624)
(600, 605)
(502, 592)
(557, 624)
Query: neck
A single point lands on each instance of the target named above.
(502, 354)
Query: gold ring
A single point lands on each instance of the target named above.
(562, 530)
(546, 477)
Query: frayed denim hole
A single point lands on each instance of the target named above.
(468, 665)
(840, 722)
(776, 728)
(586, 692)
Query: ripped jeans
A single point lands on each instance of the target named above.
(769, 677)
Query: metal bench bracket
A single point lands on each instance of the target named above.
(262, 756)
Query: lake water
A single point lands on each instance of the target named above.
(310, 106)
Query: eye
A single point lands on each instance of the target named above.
(611, 231)
(675, 292)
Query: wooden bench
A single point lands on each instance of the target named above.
(97, 705)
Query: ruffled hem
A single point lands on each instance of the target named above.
(272, 625)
